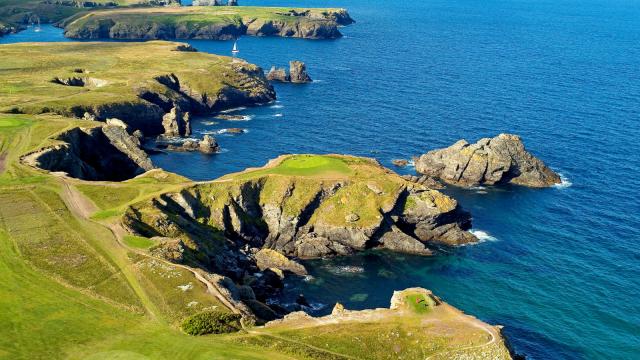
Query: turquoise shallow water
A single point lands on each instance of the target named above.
(561, 272)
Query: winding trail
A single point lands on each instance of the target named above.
(3, 158)
(83, 207)
(471, 321)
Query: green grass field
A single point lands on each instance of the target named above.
(138, 242)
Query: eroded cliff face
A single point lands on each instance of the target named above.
(98, 153)
(252, 222)
(219, 26)
(490, 161)
(306, 217)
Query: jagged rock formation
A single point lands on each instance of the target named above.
(208, 145)
(99, 153)
(278, 74)
(176, 123)
(499, 160)
(297, 73)
(175, 23)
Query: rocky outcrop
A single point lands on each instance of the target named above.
(309, 218)
(131, 25)
(176, 123)
(208, 145)
(271, 259)
(491, 161)
(278, 74)
(100, 153)
(297, 73)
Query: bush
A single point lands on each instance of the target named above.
(211, 322)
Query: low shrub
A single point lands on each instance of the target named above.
(211, 322)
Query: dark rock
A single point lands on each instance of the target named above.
(399, 162)
(302, 301)
(99, 153)
(499, 160)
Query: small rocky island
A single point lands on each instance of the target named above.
(297, 73)
(490, 161)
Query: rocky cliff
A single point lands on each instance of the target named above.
(324, 214)
(98, 153)
(153, 87)
(208, 23)
(298, 206)
(490, 161)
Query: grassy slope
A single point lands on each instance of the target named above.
(54, 267)
(13, 12)
(26, 71)
(192, 15)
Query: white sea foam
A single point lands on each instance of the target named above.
(308, 278)
(346, 269)
(209, 123)
(233, 110)
(276, 106)
(564, 182)
(242, 118)
(278, 115)
(483, 235)
(317, 306)
(226, 131)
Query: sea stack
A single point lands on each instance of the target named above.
(490, 161)
(298, 72)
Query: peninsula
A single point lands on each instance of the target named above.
(207, 22)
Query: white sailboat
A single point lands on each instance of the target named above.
(37, 29)
(235, 48)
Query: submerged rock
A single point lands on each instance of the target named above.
(490, 161)
(298, 72)
(400, 162)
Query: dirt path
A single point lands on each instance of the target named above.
(474, 322)
(3, 158)
(343, 356)
(80, 206)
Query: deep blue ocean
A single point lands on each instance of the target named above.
(560, 267)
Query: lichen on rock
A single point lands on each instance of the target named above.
(490, 161)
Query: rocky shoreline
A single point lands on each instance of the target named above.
(252, 228)
(212, 24)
